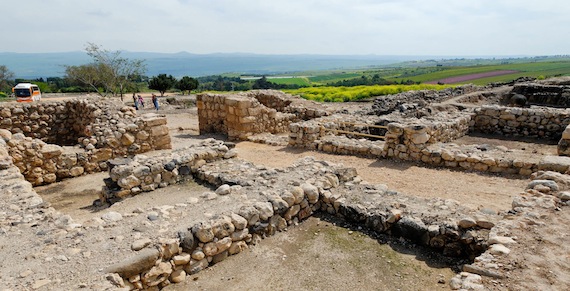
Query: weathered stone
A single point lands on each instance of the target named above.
(140, 244)
(157, 274)
(203, 231)
(223, 190)
(223, 227)
(238, 221)
(181, 259)
(237, 247)
(499, 249)
(265, 210)
(466, 222)
(112, 216)
(142, 261)
(177, 276)
(311, 192)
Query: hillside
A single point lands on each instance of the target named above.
(36, 65)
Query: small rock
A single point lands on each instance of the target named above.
(466, 222)
(178, 276)
(504, 240)
(223, 190)
(152, 216)
(140, 244)
(40, 283)
(499, 249)
(112, 216)
(26, 273)
(564, 196)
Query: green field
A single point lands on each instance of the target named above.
(531, 69)
(346, 94)
(300, 81)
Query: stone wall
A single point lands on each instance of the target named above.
(97, 129)
(286, 103)
(245, 114)
(289, 196)
(238, 116)
(130, 177)
(513, 121)
(307, 133)
(421, 140)
(554, 95)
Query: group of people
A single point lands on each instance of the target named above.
(139, 101)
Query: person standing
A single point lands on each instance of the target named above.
(141, 101)
(155, 101)
(136, 101)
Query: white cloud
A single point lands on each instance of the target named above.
(413, 27)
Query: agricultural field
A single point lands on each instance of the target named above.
(485, 72)
(347, 94)
(531, 69)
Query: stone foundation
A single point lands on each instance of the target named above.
(546, 123)
(39, 136)
(289, 196)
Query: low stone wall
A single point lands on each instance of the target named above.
(307, 133)
(409, 139)
(293, 195)
(97, 129)
(130, 177)
(286, 103)
(43, 163)
(424, 140)
(532, 122)
(555, 95)
(342, 145)
(128, 137)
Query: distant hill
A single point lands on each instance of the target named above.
(36, 65)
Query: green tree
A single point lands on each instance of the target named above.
(262, 84)
(161, 83)
(6, 77)
(186, 84)
(109, 73)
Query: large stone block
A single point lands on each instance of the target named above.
(554, 163)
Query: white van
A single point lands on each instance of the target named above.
(27, 92)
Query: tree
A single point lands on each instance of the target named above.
(161, 83)
(187, 84)
(6, 77)
(108, 73)
(262, 84)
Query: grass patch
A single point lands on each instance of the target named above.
(299, 81)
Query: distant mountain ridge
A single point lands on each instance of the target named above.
(36, 65)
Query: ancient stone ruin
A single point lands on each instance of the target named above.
(48, 142)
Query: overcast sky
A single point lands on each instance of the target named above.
(381, 27)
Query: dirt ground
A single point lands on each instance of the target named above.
(321, 253)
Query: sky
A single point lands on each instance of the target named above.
(330, 27)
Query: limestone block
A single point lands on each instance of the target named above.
(159, 130)
(49, 151)
(554, 163)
